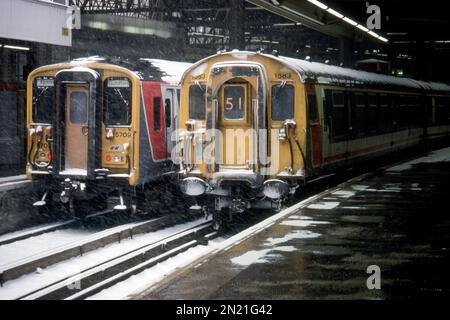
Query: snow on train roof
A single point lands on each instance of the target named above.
(146, 69)
(173, 70)
(324, 73)
(329, 74)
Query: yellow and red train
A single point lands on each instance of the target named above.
(254, 126)
(98, 127)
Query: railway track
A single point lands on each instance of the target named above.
(97, 240)
(17, 236)
(101, 276)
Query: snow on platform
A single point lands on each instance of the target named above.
(442, 155)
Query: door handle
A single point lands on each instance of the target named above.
(85, 130)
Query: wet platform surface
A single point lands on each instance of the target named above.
(397, 219)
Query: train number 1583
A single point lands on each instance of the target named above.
(283, 76)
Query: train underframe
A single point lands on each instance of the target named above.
(228, 198)
(78, 196)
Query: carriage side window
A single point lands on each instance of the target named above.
(442, 110)
(167, 115)
(340, 116)
(415, 113)
(117, 101)
(197, 102)
(312, 106)
(282, 102)
(156, 113)
(385, 113)
(43, 99)
(359, 125)
(400, 103)
(372, 114)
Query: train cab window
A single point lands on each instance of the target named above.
(282, 102)
(167, 110)
(156, 113)
(234, 102)
(78, 107)
(312, 107)
(117, 101)
(43, 99)
(197, 102)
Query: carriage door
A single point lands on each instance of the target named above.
(169, 113)
(314, 126)
(236, 125)
(76, 135)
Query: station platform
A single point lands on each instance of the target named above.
(382, 235)
(13, 182)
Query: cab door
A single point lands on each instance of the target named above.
(236, 125)
(169, 113)
(76, 133)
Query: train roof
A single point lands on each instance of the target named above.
(328, 74)
(172, 70)
(146, 69)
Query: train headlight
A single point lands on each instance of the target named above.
(193, 186)
(275, 189)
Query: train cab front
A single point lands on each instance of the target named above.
(80, 135)
(233, 172)
(242, 143)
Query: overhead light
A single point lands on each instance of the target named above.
(350, 21)
(275, 2)
(362, 28)
(1, 45)
(373, 34)
(383, 39)
(335, 13)
(396, 33)
(16, 47)
(287, 24)
(319, 4)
